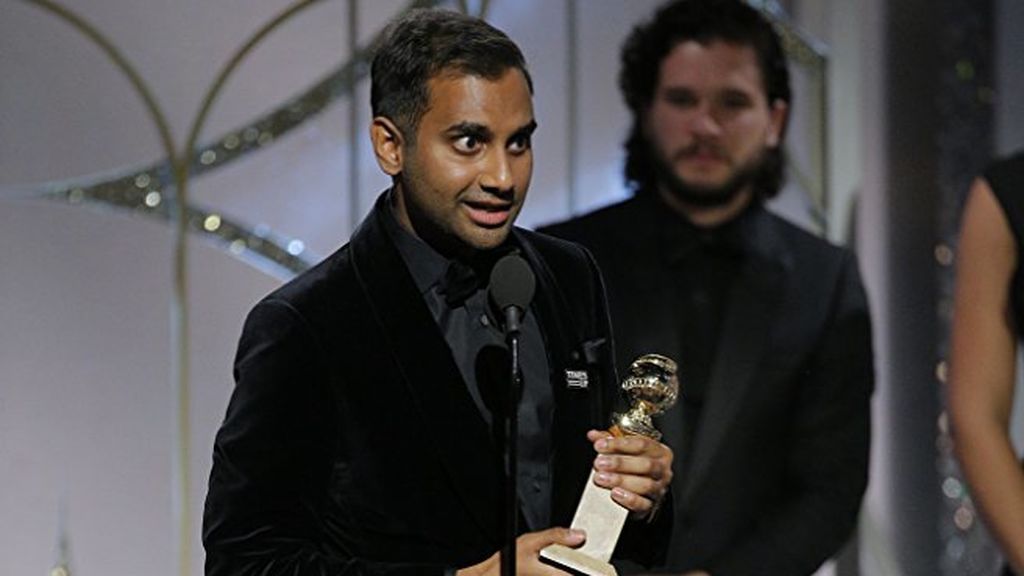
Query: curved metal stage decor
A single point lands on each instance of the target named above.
(144, 191)
(150, 190)
(153, 190)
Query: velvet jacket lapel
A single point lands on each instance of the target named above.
(576, 410)
(745, 333)
(451, 422)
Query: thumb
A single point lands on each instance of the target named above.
(558, 535)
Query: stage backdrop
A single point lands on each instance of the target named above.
(108, 402)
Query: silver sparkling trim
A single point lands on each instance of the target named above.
(143, 190)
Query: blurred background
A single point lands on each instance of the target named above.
(118, 328)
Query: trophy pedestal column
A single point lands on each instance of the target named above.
(602, 519)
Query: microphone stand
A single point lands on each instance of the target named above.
(511, 290)
(508, 553)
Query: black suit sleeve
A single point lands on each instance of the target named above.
(272, 460)
(643, 543)
(827, 467)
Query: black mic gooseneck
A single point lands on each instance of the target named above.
(511, 290)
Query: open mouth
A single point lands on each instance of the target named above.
(488, 214)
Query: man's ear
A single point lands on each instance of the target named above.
(779, 117)
(388, 145)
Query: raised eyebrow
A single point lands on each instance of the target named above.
(527, 129)
(478, 131)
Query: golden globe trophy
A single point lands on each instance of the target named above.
(652, 387)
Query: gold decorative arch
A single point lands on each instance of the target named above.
(144, 191)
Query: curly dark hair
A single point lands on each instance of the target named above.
(702, 21)
(423, 43)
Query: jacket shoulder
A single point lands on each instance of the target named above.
(593, 224)
(558, 253)
(810, 250)
(317, 292)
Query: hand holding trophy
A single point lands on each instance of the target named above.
(652, 387)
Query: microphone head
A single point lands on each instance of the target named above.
(512, 282)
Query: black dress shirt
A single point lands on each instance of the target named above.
(470, 328)
(704, 263)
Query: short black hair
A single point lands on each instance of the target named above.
(703, 21)
(423, 43)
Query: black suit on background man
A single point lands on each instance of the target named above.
(769, 323)
(778, 463)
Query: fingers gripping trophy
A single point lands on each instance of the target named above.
(651, 387)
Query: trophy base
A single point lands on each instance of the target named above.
(602, 519)
(576, 561)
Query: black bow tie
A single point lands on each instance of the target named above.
(460, 281)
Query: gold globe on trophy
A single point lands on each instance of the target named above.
(652, 387)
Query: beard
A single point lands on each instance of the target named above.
(705, 196)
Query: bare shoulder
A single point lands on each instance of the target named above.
(986, 239)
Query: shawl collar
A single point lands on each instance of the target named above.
(576, 411)
(451, 422)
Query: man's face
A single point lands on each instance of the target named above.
(710, 124)
(463, 179)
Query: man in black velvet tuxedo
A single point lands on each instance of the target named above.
(769, 323)
(359, 434)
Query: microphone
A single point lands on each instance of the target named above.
(511, 289)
